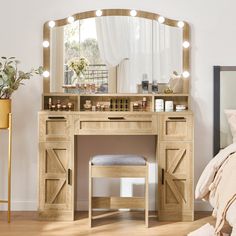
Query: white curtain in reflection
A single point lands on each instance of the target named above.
(167, 51)
(126, 42)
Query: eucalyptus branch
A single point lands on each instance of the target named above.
(11, 78)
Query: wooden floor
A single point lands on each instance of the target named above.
(117, 224)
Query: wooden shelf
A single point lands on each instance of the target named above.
(79, 99)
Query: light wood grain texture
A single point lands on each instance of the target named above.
(117, 224)
(118, 202)
(56, 188)
(118, 171)
(147, 196)
(120, 123)
(90, 195)
(175, 170)
(55, 127)
(174, 155)
(176, 127)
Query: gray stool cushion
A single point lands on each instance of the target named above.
(123, 160)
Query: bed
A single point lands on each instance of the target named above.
(217, 184)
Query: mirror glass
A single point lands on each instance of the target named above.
(113, 54)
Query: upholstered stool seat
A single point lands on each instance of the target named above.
(118, 166)
(126, 160)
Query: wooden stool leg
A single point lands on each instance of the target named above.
(90, 195)
(9, 168)
(146, 198)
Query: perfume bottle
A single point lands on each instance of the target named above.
(144, 104)
(58, 105)
(111, 105)
(50, 103)
(145, 83)
(154, 86)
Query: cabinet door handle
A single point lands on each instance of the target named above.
(177, 118)
(162, 176)
(69, 173)
(56, 118)
(116, 118)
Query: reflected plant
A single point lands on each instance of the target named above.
(78, 65)
(11, 78)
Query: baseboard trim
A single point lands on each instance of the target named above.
(82, 205)
(20, 206)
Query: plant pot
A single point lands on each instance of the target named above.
(5, 109)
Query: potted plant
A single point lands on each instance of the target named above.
(10, 80)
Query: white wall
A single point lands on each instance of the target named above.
(21, 22)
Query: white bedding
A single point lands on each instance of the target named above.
(230, 215)
(209, 181)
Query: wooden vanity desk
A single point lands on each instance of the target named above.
(57, 150)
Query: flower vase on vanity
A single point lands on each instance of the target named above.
(142, 96)
(10, 80)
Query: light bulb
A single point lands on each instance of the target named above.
(180, 24)
(133, 13)
(161, 19)
(99, 13)
(51, 23)
(45, 44)
(186, 74)
(70, 19)
(46, 74)
(186, 44)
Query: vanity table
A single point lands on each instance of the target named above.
(57, 156)
(58, 131)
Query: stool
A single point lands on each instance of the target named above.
(118, 166)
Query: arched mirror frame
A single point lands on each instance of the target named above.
(114, 12)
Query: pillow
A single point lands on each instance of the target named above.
(231, 117)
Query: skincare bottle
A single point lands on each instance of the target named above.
(144, 104)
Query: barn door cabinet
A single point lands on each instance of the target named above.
(56, 162)
(175, 167)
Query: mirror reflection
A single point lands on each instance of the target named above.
(113, 54)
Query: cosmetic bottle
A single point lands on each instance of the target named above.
(145, 83)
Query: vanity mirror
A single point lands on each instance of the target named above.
(113, 51)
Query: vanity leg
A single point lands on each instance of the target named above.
(146, 198)
(90, 197)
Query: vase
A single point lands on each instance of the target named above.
(5, 109)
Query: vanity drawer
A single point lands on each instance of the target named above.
(54, 128)
(116, 123)
(177, 127)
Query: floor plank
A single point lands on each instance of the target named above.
(116, 224)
